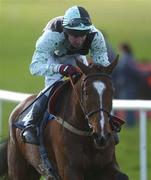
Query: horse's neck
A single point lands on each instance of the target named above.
(72, 112)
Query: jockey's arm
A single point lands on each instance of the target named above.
(98, 50)
(43, 62)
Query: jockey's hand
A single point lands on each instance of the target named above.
(68, 70)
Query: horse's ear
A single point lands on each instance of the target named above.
(113, 64)
(82, 66)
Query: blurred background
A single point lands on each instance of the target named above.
(123, 22)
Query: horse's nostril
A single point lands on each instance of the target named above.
(100, 137)
(108, 135)
(95, 135)
(101, 140)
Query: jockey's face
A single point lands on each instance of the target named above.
(76, 41)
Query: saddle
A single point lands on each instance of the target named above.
(54, 97)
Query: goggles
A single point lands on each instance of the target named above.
(79, 21)
(76, 33)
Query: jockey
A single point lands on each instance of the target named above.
(64, 38)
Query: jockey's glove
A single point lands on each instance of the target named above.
(68, 70)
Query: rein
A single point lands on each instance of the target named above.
(73, 129)
(77, 96)
(87, 115)
(69, 126)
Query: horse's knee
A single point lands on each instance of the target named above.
(122, 176)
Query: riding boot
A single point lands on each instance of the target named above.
(29, 134)
(116, 138)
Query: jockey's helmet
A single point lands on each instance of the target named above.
(76, 21)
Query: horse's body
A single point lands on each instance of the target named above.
(76, 157)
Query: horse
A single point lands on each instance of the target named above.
(79, 141)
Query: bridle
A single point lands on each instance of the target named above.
(87, 115)
(114, 124)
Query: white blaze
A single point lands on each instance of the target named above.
(100, 87)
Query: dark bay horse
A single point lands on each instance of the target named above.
(79, 142)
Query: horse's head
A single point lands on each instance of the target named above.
(96, 98)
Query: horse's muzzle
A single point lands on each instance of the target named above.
(101, 140)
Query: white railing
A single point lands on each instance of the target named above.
(141, 105)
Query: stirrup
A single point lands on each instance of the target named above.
(30, 134)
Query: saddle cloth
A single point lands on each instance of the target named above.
(54, 97)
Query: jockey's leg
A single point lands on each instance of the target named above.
(29, 134)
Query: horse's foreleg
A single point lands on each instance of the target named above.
(72, 174)
(112, 172)
(67, 171)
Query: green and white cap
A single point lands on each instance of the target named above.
(77, 18)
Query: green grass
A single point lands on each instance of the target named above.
(128, 151)
(21, 23)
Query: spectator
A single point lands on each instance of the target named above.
(126, 78)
